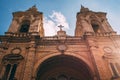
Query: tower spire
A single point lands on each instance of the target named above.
(82, 6)
(83, 9)
(33, 8)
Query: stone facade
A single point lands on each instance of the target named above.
(92, 54)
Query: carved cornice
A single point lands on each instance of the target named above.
(101, 34)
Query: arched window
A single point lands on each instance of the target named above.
(95, 28)
(11, 61)
(25, 26)
(10, 72)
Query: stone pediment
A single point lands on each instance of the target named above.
(12, 57)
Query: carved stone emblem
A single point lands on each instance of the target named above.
(62, 47)
(109, 53)
(107, 50)
(16, 51)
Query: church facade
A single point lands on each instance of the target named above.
(93, 53)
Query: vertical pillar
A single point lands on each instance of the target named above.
(92, 48)
(29, 64)
(98, 64)
(2, 71)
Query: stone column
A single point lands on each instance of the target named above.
(29, 64)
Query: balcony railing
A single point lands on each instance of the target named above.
(18, 34)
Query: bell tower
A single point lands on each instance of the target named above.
(29, 21)
(92, 23)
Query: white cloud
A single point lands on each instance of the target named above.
(53, 21)
(114, 21)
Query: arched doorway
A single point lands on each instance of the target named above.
(63, 67)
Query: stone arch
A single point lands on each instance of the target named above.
(24, 26)
(70, 58)
(96, 24)
(40, 62)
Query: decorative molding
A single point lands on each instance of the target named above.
(11, 58)
(16, 50)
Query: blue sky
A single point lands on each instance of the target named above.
(67, 8)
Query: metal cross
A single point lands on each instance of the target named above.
(60, 26)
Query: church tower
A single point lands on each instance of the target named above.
(89, 22)
(30, 21)
(92, 54)
(18, 44)
(102, 40)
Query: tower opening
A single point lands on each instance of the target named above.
(63, 67)
(25, 26)
(95, 28)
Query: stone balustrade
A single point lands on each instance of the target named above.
(100, 34)
(18, 34)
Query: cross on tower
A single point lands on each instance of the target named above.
(60, 26)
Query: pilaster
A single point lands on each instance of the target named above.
(29, 63)
(99, 64)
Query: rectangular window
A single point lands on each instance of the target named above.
(115, 74)
(10, 72)
(118, 68)
(6, 74)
